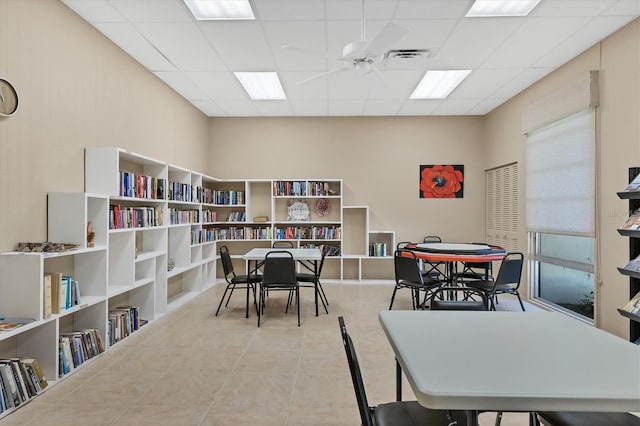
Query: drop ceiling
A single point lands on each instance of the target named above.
(198, 58)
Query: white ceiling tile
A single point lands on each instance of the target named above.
(624, 7)
(419, 107)
(483, 83)
(183, 44)
(95, 10)
(237, 108)
(350, 85)
(240, 45)
(182, 84)
(386, 107)
(209, 108)
(274, 108)
(487, 105)
(130, 40)
(219, 85)
(456, 106)
(572, 8)
(393, 85)
(532, 40)
(352, 9)
(304, 35)
(305, 108)
(346, 107)
(153, 10)
(433, 9)
(310, 90)
(307, 10)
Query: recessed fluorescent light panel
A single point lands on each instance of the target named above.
(437, 84)
(220, 9)
(488, 8)
(261, 86)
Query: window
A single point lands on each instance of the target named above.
(560, 200)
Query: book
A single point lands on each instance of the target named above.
(261, 219)
(633, 222)
(7, 324)
(56, 280)
(46, 310)
(62, 293)
(11, 386)
(633, 305)
(634, 185)
(35, 365)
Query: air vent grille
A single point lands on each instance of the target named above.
(407, 53)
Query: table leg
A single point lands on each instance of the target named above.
(246, 315)
(315, 283)
(398, 381)
(472, 418)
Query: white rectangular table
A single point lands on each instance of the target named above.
(312, 255)
(513, 361)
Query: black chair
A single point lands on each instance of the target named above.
(282, 244)
(279, 273)
(459, 299)
(432, 239)
(309, 279)
(507, 281)
(234, 281)
(571, 418)
(398, 413)
(409, 275)
(436, 270)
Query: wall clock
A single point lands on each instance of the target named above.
(8, 98)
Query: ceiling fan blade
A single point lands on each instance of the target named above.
(385, 39)
(323, 74)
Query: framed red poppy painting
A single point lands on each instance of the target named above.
(441, 181)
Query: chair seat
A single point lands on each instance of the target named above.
(410, 413)
(428, 284)
(570, 418)
(305, 277)
(243, 279)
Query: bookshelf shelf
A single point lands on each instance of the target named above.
(634, 253)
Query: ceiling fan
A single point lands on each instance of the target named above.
(365, 56)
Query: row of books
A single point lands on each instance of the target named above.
(20, 380)
(177, 216)
(60, 292)
(320, 189)
(182, 192)
(122, 321)
(308, 233)
(209, 216)
(228, 198)
(122, 217)
(290, 188)
(77, 347)
(633, 305)
(378, 249)
(237, 217)
(240, 233)
(327, 249)
(138, 185)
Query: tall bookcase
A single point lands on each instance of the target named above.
(634, 252)
(156, 229)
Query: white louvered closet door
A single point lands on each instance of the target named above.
(502, 207)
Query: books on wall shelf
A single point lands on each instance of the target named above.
(137, 185)
(60, 292)
(76, 347)
(123, 320)
(20, 380)
(378, 249)
(179, 217)
(123, 217)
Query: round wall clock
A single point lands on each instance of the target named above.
(8, 98)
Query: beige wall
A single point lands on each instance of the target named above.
(618, 60)
(76, 89)
(378, 159)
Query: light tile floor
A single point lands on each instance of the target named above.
(193, 368)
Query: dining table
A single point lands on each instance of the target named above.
(512, 361)
(453, 253)
(310, 255)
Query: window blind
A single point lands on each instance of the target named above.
(560, 176)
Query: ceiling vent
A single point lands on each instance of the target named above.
(407, 53)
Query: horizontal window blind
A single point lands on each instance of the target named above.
(560, 176)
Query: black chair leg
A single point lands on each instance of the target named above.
(498, 418)
(233, 287)
(323, 295)
(222, 300)
(298, 303)
(393, 296)
(520, 300)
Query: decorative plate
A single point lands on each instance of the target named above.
(322, 207)
(298, 211)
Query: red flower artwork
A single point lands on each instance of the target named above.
(438, 181)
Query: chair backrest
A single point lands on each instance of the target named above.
(356, 375)
(407, 267)
(432, 239)
(467, 299)
(510, 269)
(282, 244)
(402, 244)
(279, 269)
(227, 264)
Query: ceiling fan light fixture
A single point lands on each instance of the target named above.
(261, 86)
(220, 9)
(438, 84)
(493, 8)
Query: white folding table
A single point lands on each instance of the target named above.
(513, 361)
